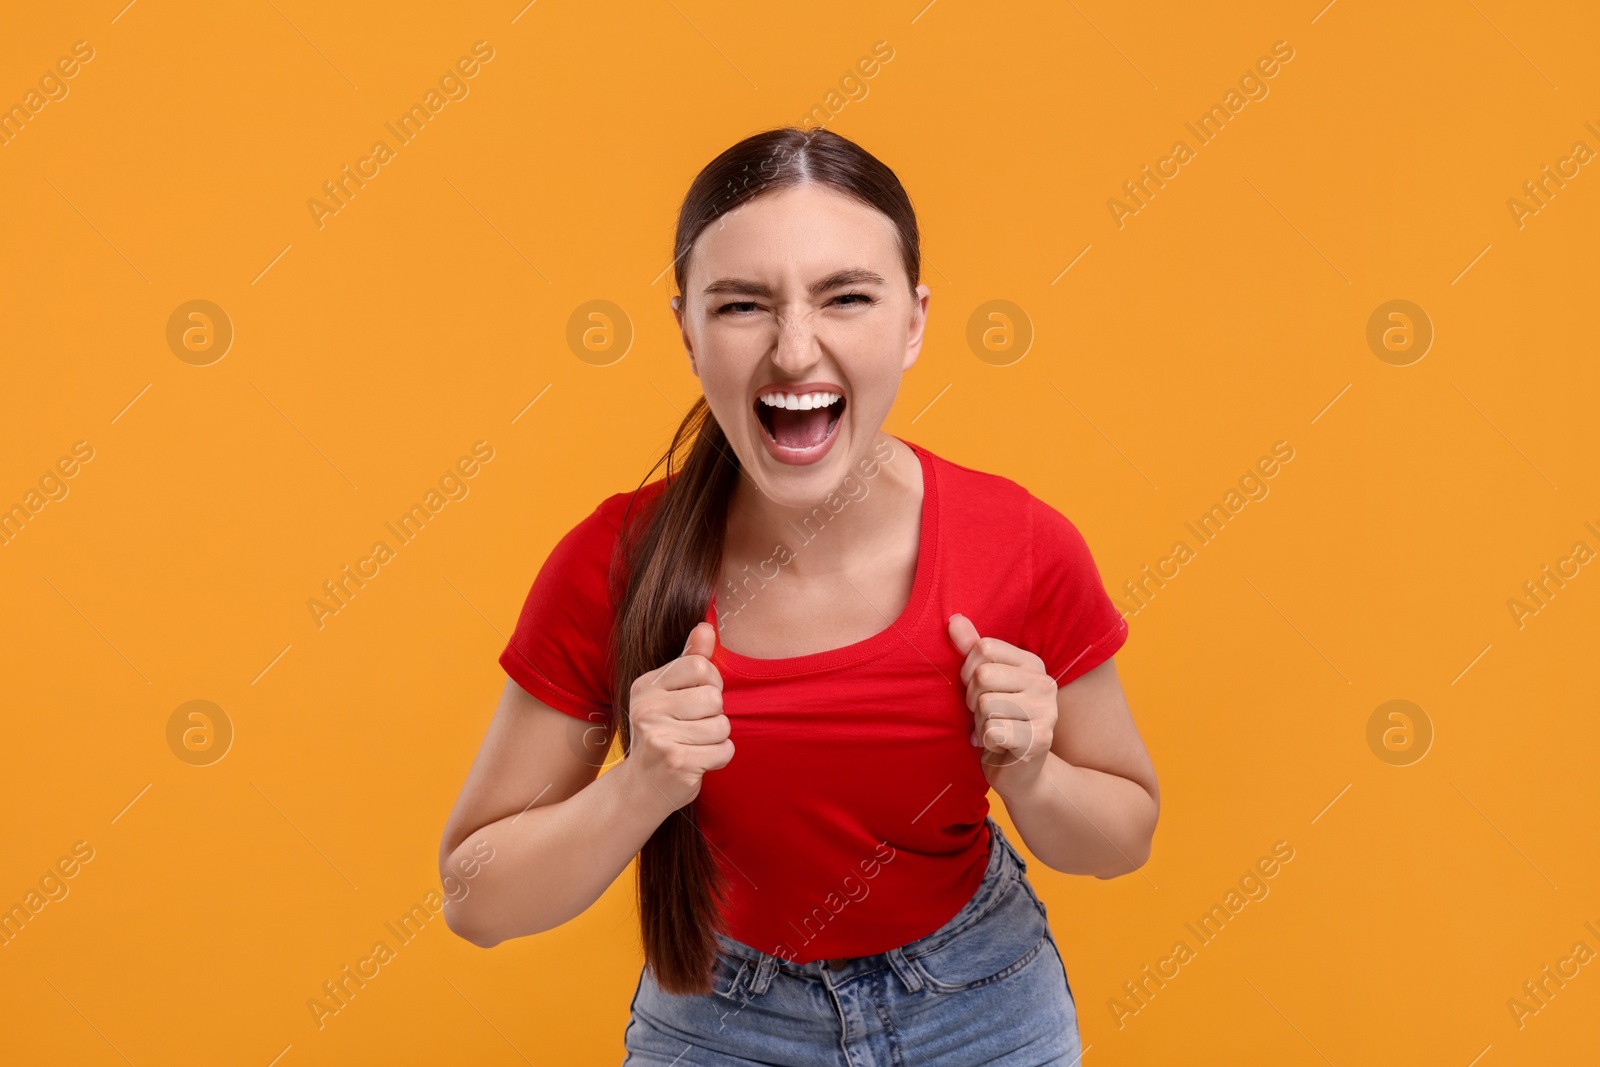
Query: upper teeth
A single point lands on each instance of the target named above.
(801, 401)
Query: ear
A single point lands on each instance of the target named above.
(919, 321)
(688, 345)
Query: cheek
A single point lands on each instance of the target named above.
(727, 376)
(873, 363)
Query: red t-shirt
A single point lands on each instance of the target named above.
(851, 817)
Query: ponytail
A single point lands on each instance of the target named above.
(672, 566)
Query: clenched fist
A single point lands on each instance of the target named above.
(678, 730)
(1013, 703)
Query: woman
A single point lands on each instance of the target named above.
(822, 645)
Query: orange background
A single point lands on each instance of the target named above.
(369, 354)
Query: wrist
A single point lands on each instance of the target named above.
(640, 795)
(1024, 787)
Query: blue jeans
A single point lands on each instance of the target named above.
(987, 988)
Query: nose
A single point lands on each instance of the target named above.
(797, 348)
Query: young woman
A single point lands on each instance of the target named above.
(822, 646)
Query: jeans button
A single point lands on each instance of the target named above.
(836, 965)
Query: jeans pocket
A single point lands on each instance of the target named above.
(1002, 941)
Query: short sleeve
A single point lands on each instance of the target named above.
(1071, 622)
(560, 650)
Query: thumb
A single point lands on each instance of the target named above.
(963, 633)
(702, 640)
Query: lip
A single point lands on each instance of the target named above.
(798, 457)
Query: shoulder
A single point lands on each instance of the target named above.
(966, 489)
(990, 518)
(968, 495)
(590, 553)
(619, 511)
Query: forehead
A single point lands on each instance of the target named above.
(801, 232)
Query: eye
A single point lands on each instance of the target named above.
(855, 296)
(736, 304)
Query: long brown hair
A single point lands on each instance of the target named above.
(673, 555)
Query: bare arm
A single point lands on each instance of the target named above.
(1094, 805)
(560, 834)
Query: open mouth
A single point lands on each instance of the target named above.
(799, 422)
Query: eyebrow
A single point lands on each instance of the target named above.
(838, 279)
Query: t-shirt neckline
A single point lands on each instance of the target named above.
(883, 640)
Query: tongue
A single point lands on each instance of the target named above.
(799, 429)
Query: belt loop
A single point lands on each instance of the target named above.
(902, 967)
(765, 969)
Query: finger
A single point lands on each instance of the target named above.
(998, 678)
(994, 650)
(992, 706)
(702, 640)
(1001, 723)
(1007, 749)
(1005, 736)
(688, 671)
(699, 702)
(712, 730)
(721, 755)
(962, 632)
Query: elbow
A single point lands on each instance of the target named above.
(460, 918)
(1128, 863)
(461, 925)
(1137, 852)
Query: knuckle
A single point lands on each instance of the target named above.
(703, 671)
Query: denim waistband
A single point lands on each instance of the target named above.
(1005, 865)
